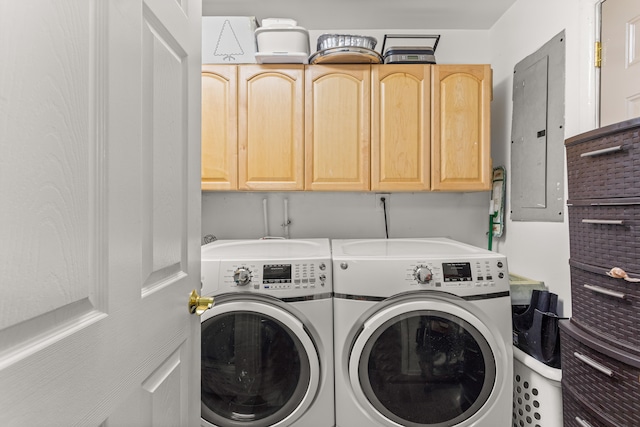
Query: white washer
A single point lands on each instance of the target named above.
(267, 343)
(422, 334)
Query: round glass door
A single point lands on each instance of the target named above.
(255, 370)
(426, 368)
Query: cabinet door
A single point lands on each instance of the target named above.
(219, 127)
(271, 127)
(337, 127)
(400, 130)
(460, 141)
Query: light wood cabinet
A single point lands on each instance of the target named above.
(347, 127)
(337, 127)
(219, 127)
(460, 128)
(271, 127)
(400, 127)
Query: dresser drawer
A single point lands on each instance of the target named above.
(605, 235)
(605, 307)
(577, 415)
(600, 377)
(604, 167)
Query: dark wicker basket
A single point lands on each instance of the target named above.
(605, 307)
(572, 411)
(616, 396)
(606, 235)
(597, 169)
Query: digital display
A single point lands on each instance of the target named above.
(276, 273)
(457, 271)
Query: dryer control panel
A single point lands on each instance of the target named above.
(276, 277)
(387, 267)
(283, 268)
(456, 274)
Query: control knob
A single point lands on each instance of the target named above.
(422, 274)
(242, 276)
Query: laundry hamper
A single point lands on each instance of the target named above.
(537, 392)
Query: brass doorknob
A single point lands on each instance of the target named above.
(198, 304)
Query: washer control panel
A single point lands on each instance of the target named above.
(276, 276)
(458, 274)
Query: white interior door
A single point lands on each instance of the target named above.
(100, 212)
(620, 70)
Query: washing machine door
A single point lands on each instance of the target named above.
(259, 365)
(424, 363)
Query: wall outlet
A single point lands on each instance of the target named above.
(379, 204)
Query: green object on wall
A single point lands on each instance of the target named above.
(496, 206)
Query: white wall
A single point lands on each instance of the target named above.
(462, 216)
(536, 249)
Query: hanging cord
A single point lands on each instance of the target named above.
(490, 233)
(384, 208)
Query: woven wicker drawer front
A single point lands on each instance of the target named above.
(614, 242)
(606, 307)
(611, 174)
(616, 397)
(573, 412)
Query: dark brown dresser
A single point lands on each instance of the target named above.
(601, 342)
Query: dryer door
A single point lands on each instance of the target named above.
(424, 363)
(259, 367)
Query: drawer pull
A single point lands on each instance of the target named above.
(595, 365)
(582, 422)
(604, 291)
(610, 204)
(603, 221)
(603, 151)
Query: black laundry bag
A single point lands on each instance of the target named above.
(535, 330)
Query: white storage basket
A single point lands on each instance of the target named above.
(537, 392)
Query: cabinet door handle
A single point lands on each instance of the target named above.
(595, 365)
(603, 151)
(604, 291)
(603, 221)
(582, 422)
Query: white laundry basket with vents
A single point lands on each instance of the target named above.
(537, 392)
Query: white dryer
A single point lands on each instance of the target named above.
(422, 334)
(267, 344)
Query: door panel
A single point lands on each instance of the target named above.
(158, 400)
(400, 127)
(337, 127)
(164, 152)
(461, 140)
(163, 394)
(60, 173)
(270, 127)
(100, 168)
(620, 72)
(219, 127)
